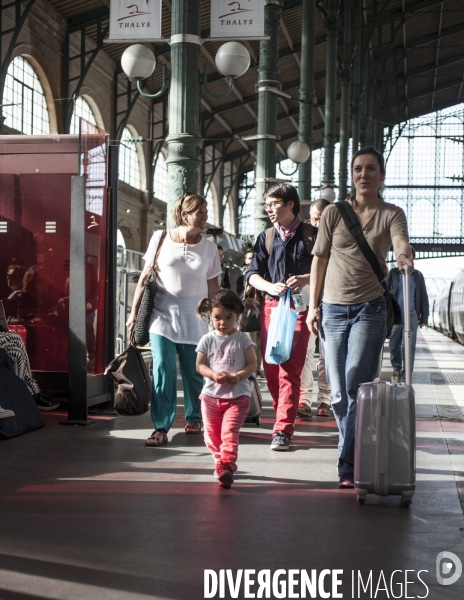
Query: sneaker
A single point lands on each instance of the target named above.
(45, 403)
(6, 414)
(396, 375)
(323, 410)
(259, 374)
(346, 480)
(280, 441)
(225, 476)
(304, 410)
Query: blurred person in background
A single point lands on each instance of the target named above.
(224, 279)
(307, 379)
(419, 316)
(250, 323)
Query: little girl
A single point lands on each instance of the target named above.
(226, 358)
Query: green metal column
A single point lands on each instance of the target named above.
(331, 24)
(184, 141)
(356, 95)
(305, 130)
(268, 72)
(365, 90)
(345, 75)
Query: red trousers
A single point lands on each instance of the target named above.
(222, 419)
(284, 381)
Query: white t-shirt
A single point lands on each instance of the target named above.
(226, 354)
(183, 273)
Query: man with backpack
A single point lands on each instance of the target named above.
(281, 262)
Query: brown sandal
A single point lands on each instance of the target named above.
(156, 440)
(193, 428)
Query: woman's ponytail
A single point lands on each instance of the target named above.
(203, 309)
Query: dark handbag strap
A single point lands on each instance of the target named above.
(154, 267)
(354, 226)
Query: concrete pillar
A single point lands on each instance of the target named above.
(184, 140)
(345, 75)
(331, 24)
(268, 72)
(305, 130)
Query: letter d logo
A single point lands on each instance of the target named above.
(444, 568)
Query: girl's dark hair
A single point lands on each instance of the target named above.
(227, 299)
(287, 192)
(379, 157)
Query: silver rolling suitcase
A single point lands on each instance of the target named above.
(385, 441)
(256, 402)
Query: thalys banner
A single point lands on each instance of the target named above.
(135, 20)
(237, 19)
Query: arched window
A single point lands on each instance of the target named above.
(27, 111)
(449, 217)
(81, 109)
(160, 179)
(129, 166)
(247, 199)
(211, 207)
(120, 241)
(227, 216)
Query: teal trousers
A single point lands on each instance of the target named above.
(164, 390)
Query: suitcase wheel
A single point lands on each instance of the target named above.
(361, 500)
(406, 502)
(257, 421)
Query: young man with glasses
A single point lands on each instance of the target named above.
(282, 260)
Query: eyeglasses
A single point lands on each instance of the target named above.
(270, 205)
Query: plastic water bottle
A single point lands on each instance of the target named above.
(297, 297)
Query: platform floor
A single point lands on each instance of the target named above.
(90, 513)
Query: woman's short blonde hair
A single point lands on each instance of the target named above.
(189, 203)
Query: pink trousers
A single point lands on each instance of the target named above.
(284, 381)
(222, 419)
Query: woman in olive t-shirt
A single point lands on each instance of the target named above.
(352, 317)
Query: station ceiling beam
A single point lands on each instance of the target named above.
(423, 41)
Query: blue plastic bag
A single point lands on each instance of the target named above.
(280, 334)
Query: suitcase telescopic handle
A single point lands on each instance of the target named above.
(407, 324)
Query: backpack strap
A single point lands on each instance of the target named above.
(270, 234)
(308, 237)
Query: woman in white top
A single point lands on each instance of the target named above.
(188, 270)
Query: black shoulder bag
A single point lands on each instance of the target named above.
(351, 221)
(140, 331)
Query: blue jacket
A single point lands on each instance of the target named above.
(285, 258)
(421, 301)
